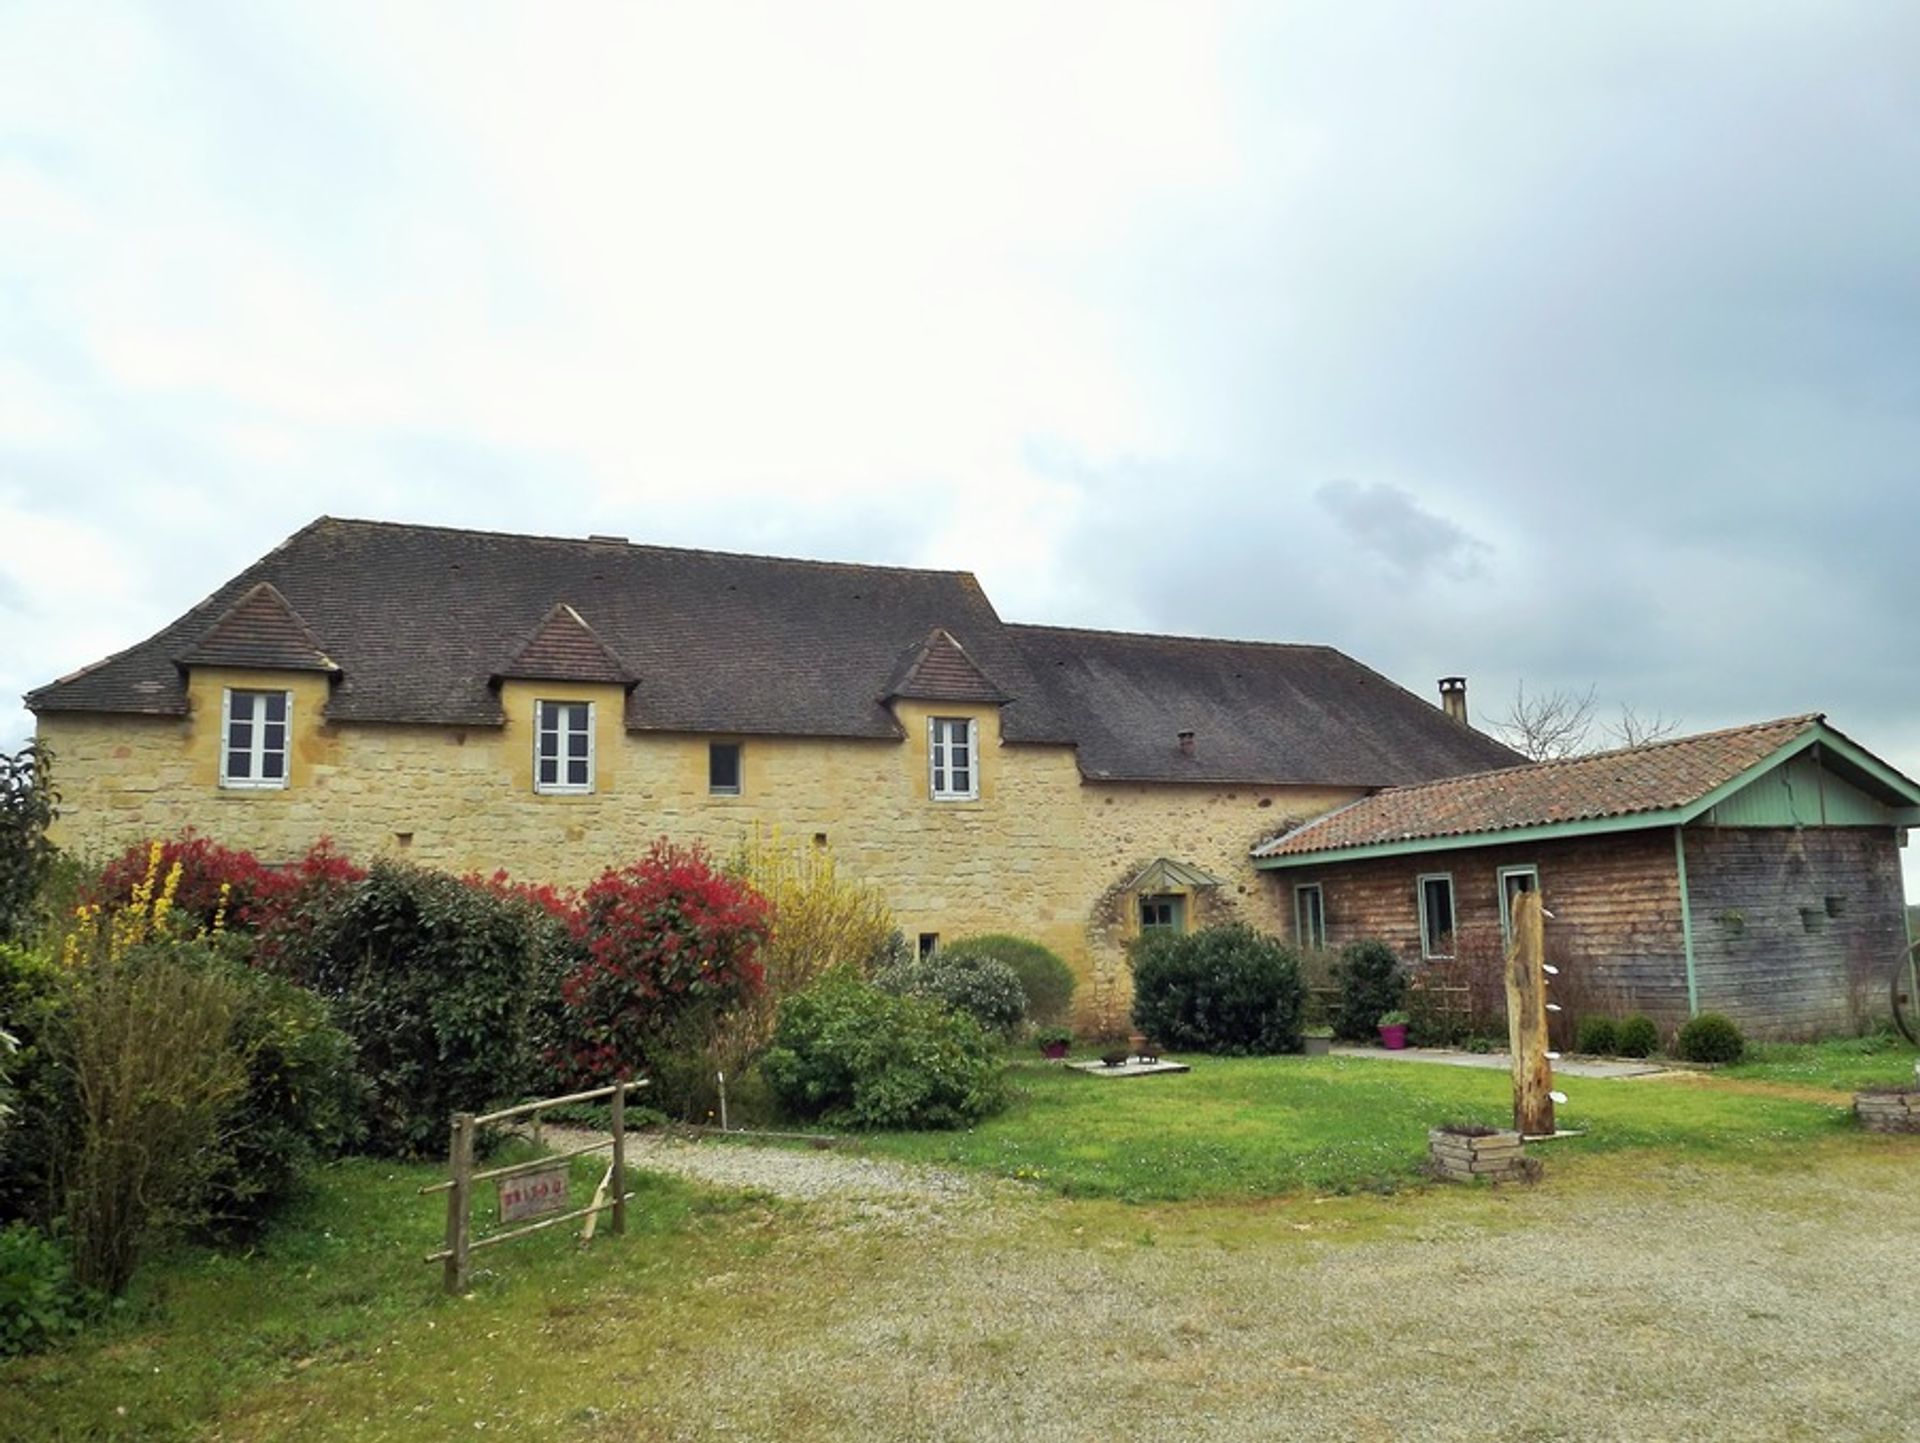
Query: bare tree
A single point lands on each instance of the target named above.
(1550, 726)
(1546, 726)
(1634, 730)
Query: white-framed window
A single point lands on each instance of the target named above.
(1514, 881)
(253, 738)
(1310, 915)
(563, 746)
(1436, 915)
(953, 769)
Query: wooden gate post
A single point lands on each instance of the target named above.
(459, 1202)
(1527, 1020)
(619, 1158)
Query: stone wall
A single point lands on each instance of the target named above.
(1041, 853)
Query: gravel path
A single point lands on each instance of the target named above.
(867, 1189)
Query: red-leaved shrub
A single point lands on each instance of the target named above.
(669, 942)
(258, 897)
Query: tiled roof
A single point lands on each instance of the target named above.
(1259, 712)
(419, 619)
(1659, 777)
(259, 630)
(564, 648)
(939, 669)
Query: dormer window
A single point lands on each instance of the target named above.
(952, 768)
(253, 739)
(563, 747)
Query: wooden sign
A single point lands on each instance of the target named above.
(533, 1194)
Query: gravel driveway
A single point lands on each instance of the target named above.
(864, 1188)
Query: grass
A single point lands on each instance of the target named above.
(1259, 1127)
(337, 1289)
(1848, 1064)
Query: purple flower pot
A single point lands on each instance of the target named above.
(1393, 1036)
(1054, 1051)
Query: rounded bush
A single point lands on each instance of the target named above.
(982, 988)
(1371, 982)
(848, 1054)
(1044, 976)
(1598, 1035)
(1228, 990)
(1710, 1037)
(1637, 1037)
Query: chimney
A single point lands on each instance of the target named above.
(1186, 744)
(1453, 698)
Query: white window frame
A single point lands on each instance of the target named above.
(561, 787)
(1453, 906)
(939, 775)
(1525, 869)
(256, 749)
(1303, 933)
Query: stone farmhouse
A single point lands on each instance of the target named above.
(549, 706)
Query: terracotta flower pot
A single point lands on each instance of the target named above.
(1393, 1036)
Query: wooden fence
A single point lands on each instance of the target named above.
(461, 1243)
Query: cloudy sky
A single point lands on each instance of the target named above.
(1572, 342)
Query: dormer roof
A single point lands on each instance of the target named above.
(259, 630)
(563, 647)
(939, 669)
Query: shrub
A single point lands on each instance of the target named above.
(1225, 989)
(1710, 1037)
(33, 1000)
(28, 806)
(147, 1035)
(850, 1055)
(433, 980)
(1371, 982)
(979, 986)
(671, 946)
(38, 1300)
(225, 889)
(1045, 978)
(1637, 1037)
(820, 920)
(303, 1099)
(1598, 1035)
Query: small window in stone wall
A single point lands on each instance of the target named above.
(929, 943)
(1163, 914)
(563, 747)
(723, 769)
(253, 739)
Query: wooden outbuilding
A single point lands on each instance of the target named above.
(1753, 872)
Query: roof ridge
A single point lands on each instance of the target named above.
(582, 541)
(1174, 636)
(1548, 763)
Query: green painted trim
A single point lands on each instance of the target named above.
(1898, 783)
(1686, 919)
(1545, 832)
(1778, 756)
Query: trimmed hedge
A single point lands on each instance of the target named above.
(1638, 1037)
(848, 1054)
(1710, 1037)
(1597, 1035)
(1372, 983)
(1228, 990)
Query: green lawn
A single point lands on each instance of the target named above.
(1847, 1064)
(1237, 1127)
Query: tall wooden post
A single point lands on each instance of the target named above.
(619, 1158)
(459, 1202)
(1527, 1020)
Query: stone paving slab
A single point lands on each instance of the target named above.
(1133, 1067)
(1498, 1061)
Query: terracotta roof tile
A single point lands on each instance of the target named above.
(1658, 777)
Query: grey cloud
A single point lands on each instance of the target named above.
(1387, 521)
